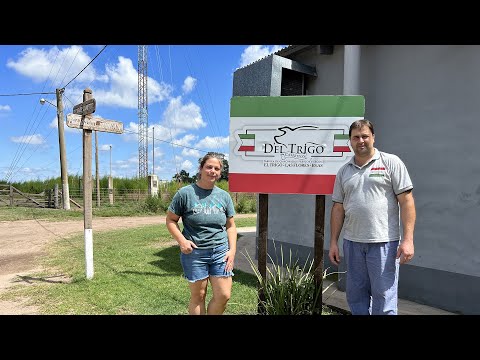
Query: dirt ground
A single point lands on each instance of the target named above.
(22, 244)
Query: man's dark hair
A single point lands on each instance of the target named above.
(358, 124)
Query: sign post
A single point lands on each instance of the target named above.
(82, 119)
(290, 145)
(85, 108)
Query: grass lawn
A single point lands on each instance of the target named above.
(136, 271)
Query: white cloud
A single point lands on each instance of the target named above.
(5, 108)
(29, 139)
(188, 84)
(191, 152)
(123, 91)
(162, 134)
(121, 78)
(186, 165)
(209, 142)
(256, 52)
(55, 65)
(104, 147)
(183, 116)
(186, 140)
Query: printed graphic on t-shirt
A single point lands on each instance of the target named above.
(207, 208)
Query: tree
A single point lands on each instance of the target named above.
(225, 170)
(183, 177)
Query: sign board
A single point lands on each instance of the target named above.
(85, 108)
(90, 123)
(290, 144)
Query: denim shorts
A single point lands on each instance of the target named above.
(202, 263)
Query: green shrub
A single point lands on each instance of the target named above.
(288, 288)
(241, 206)
(155, 204)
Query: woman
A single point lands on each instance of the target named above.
(209, 239)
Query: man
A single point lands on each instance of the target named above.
(366, 197)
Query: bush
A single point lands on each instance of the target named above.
(289, 289)
(155, 204)
(241, 206)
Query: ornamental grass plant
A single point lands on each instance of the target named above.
(289, 289)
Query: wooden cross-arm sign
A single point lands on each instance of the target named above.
(85, 108)
(88, 122)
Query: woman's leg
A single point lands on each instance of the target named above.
(198, 291)
(221, 289)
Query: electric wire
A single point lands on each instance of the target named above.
(85, 66)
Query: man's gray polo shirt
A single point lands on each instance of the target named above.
(368, 195)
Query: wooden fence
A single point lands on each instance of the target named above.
(52, 198)
(11, 196)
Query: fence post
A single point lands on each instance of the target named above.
(49, 197)
(110, 190)
(55, 197)
(11, 195)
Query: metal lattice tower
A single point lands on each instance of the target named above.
(142, 112)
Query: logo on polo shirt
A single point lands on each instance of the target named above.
(377, 172)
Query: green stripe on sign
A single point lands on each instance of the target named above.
(246, 136)
(340, 137)
(288, 106)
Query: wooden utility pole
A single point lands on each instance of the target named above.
(63, 155)
(82, 119)
(97, 176)
(87, 193)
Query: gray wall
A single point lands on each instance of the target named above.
(253, 80)
(424, 102)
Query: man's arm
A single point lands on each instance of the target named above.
(408, 217)
(336, 222)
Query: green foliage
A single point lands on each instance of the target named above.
(130, 183)
(289, 289)
(241, 206)
(225, 170)
(155, 204)
(75, 184)
(222, 184)
(37, 186)
(246, 205)
(183, 177)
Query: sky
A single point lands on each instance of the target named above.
(189, 88)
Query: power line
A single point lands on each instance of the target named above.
(35, 93)
(85, 67)
(168, 142)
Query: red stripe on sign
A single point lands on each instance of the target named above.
(380, 168)
(341, 149)
(281, 183)
(246, 148)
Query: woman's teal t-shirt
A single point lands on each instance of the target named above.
(204, 214)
